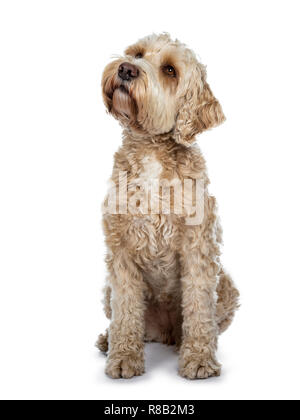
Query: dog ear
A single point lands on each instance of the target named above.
(199, 111)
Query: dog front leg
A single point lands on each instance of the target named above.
(197, 357)
(127, 329)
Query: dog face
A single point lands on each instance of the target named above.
(159, 87)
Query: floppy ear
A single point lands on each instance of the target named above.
(199, 111)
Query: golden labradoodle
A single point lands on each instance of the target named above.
(166, 282)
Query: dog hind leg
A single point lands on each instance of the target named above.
(102, 342)
(227, 303)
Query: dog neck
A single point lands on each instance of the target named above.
(143, 139)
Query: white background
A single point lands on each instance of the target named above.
(56, 155)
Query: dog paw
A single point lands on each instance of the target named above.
(125, 367)
(199, 368)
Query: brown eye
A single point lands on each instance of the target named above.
(169, 70)
(139, 55)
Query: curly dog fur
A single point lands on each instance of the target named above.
(166, 282)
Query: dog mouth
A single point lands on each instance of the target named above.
(120, 97)
(123, 103)
(117, 87)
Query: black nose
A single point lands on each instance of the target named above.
(128, 71)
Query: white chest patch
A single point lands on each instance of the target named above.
(144, 189)
(152, 169)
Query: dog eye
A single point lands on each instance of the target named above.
(169, 70)
(139, 55)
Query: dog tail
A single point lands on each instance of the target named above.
(228, 301)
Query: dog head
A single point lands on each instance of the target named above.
(159, 87)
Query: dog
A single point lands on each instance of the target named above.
(166, 282)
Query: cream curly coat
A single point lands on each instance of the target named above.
(165, 282)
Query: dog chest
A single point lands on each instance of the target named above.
(153, 241)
